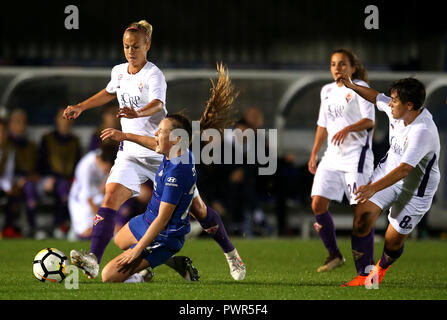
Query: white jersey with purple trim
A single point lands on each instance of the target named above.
(416, 144)
(136, 91)
(341, 107)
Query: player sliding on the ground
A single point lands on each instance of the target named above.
(404, 181)
(141, 91)
(155, 236)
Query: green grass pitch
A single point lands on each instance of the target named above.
(277, 269)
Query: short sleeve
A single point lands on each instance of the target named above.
(382, 103)
(157, 86)
(420, 143)
(113, 83)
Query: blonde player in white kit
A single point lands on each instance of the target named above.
(140, 89)
(346, 121)
(404, 181)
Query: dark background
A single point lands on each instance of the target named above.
(281, 34)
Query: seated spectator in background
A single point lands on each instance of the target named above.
(243, 199)
(6, 181)
(59, 153)
(88, 188)
(109, 120)
(25, 175)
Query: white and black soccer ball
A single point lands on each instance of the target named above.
(50, 265)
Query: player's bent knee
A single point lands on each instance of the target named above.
(319, 207)
(362, 227)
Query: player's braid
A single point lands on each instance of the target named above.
(219, 113)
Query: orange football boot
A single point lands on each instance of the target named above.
(356, 282)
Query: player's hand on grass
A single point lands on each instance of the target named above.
(365, 192)
(114, 134)
(127, 112)
(72, 112)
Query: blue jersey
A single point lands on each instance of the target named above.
(175, 182)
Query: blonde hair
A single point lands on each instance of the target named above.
(142, 26)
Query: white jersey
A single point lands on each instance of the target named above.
(88, 181)
(136, 91)
(341, 107)
(416, 144)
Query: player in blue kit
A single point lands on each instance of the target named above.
(155, 236)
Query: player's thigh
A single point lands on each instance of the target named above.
(198, 207)
(116, 194)
(124, 239)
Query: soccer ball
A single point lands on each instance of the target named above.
(50, 265)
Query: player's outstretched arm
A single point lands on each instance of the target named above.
(366, 93)
(99, 99)
(117, 135)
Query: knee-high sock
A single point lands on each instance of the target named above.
(363, 252)
(389, 256)
(214, 226)
(103, 228)
(326, 230)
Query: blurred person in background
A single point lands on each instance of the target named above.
(10, 230)
(25, 172)
(88, 188)
(346, 122)
(60, 151)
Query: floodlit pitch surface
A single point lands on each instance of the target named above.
(277, 269)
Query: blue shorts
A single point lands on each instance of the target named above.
(161, 249)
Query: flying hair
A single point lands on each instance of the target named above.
(219, 112)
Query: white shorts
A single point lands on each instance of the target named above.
(81, 216)
(405, 209)
(333, 184)
(131, 172)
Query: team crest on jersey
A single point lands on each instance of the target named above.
(97, 219)
(348, 97)
(160, 173)
(140, 87)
